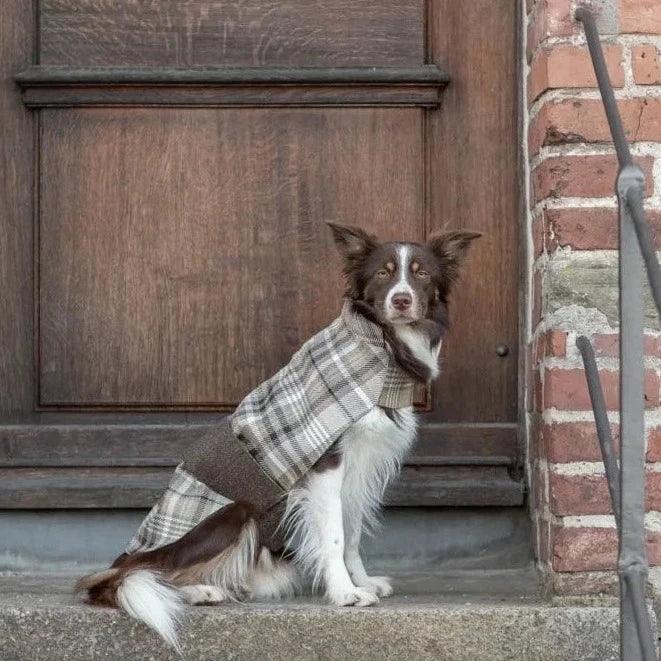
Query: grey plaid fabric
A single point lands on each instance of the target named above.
(289, 421)
(334, 379)
(185, 503)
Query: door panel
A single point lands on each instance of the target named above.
(162, 246)
(332, 33)
(183, 254)
(474, 140)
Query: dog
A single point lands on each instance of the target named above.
(401, 288)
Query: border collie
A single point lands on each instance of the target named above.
(402, 287)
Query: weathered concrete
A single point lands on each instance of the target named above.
(445, 538)
(39, 621)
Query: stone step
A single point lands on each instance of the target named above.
(40, 621)
(410, 539)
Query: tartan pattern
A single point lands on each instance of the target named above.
(185, 503)
(398, 389)
(289, 421)
(335, 378)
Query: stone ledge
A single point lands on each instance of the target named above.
(47, 625)
(589, 280)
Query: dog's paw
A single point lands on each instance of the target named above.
(378, 585)
(356, 597)
(199, 595)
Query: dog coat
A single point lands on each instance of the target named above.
(280, 430)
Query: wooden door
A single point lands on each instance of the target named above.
(167, 170)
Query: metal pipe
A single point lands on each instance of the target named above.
(585, 16)
(632, 551)
(635, 584)
(634, 197)
(635, 249)
(603, 426)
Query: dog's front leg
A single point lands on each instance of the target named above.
(378, 585)
(325, 509)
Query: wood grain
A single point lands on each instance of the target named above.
(143, 440)
(232, 32)
(55, 86)
(119, 444)
(40, 75)
(466, 444)
(183, 255)
(16, 191)
(474, 184)
(83, 488)
(455, 486)
(217, 96)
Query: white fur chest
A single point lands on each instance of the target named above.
(376, 439)
(372, 452)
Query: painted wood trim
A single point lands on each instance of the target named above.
(53, 86)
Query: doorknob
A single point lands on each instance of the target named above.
(502, 350)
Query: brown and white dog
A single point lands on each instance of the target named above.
(404, 288)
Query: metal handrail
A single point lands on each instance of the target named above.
(626, 482)
(634, 194)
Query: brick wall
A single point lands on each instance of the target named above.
(573, 285)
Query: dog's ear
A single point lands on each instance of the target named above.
(352, 242)
(450, 248)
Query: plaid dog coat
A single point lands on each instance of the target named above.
(280, 430)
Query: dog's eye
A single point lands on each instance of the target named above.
(422, 274)
(382, 273)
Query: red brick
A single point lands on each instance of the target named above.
(582, 176)
(590, 549)
(588, 494)
(578, 494)
(564, 65)
(573, 441)
(551, 18)
(566, 389)
(608, 345)
(556, 343)
(589, 229)
(654, 444)
(584, 120)
(652, 491)
(646, 64)
(583, 549)
(552, 343)
(640, 16)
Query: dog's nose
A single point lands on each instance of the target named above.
(402, 301)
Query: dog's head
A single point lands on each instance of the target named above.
(402, 282)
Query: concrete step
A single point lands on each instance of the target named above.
(475, 616)
(410, 539)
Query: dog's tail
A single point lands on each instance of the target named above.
(142, 594)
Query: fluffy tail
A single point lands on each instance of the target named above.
(143, 594)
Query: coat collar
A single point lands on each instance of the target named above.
(362, 327)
